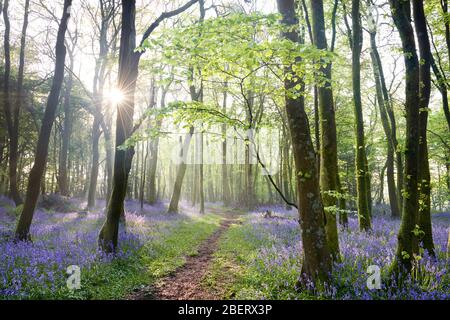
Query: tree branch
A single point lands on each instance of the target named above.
(163, 16)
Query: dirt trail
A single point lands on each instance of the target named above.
(185, 282)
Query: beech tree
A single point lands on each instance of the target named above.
(424, 184)
(328, 143)
(12, 109)
(128, 73)
(407, 241)
(34, 180)
(361, 169)
(317, 259)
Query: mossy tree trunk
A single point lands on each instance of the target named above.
(425, 91)
(328, 141)
(360, 159)
(317, 258)
(407, 241)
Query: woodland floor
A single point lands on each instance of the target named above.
(226, 253)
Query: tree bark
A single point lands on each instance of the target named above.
(317, 259)
(425, 92)
(128, 72)
(361, 160)
(34, 181)
(328, 141)
(11, 114)
(406, 238)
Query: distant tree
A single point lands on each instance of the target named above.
(383, 101)
(11, 110)
(36, 173)
(63, 182)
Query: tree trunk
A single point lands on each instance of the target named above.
(361, 160)
(195, 96)
(154, 146)
(201, 173)
(425, 91)
(317, 258)
(109, 162)
(175, 199)
(285, 169)
(34, 181)
(343, 217)
(328, 141)
(128, 72)
(20, 77)
(442, 86)
(143, 176)
(392, 191)
(152, 198)
(11, 114)
(406, 238)
(67, 128)
(380, 199)
(225, 182)
(92, 193)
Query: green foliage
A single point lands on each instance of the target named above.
(244, 50)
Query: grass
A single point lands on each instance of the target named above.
(155, 260)
(231, 265)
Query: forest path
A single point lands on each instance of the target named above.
(185, 283)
